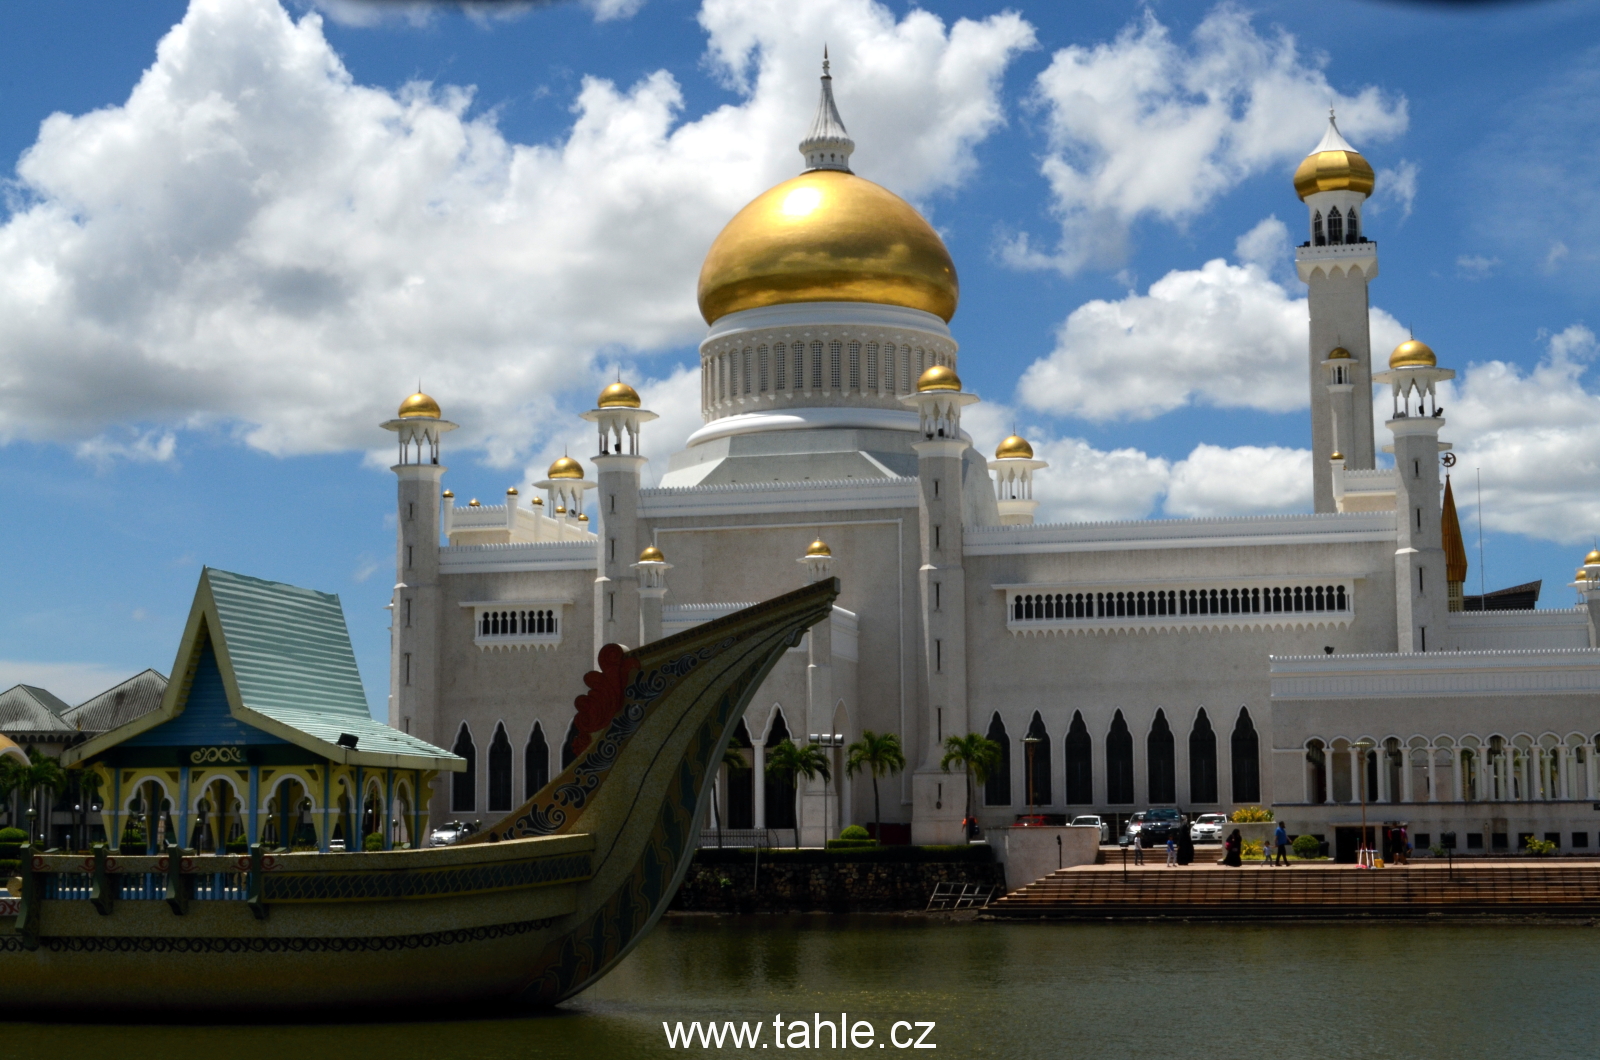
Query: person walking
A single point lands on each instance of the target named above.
(1185, 846)
(1230, 850)
(1280, 839)
(1172, 851)
(1138, 848)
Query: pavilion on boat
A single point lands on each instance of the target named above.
(262, 736)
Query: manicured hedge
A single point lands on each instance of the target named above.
(976, 853)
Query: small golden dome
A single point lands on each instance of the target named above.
(512, 492)
(1592, 557)
(1333, 165)
(1581, 576)
(539, 501)
(565, 467)
(652, 554)
(473, 503)
(618, 395)
(419, 406)
(938, 378)
(561, 509)
(1014, 448)
(818, 547)
(827, 236)
(1412, 354)
(449, 493)
(582, 518)
(1339, 353)
(1336, 455)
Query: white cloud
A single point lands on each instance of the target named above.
(1146, 127)
(1265, 246)
(255, 241)
(138, 447)
(1247, 480)
(1396, 188)
(1475, 266)
(71, 682)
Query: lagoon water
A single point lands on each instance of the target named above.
(1017, 991)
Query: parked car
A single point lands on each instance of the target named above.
(1095, 821)
(1208, 828)
(1155, 826)
(449, 834)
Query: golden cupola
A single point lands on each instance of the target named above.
(1014, 448)
(1333, 165)
(419, 406)
(827, 236)
(565, 467)
(618, 395)
(1413, 354)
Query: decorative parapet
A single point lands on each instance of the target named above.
(519, 556)
(768, 497)
(1233, 532)
(1455, 674)
(1566, 627)
(1240, 604)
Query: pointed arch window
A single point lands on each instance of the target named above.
(567, 753)
(780, 790)
(1317, 237)
(500, 770)
(1162, 757)
(1036, 763)
(741, 783)
(464, 785)
(1202, 760)
(1119, 761)
(535, 763)
(1335, 227)
(1352, 227)
(1246, 760)
(997, 789)
(1080, 762)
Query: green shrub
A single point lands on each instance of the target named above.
(1307, 847)
(854, 831)
(1250, 815)
(17, 835)
(373, 842)
(1540, 847)
(238, 846)
(1254, 848)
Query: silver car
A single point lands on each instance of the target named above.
(1092, 820)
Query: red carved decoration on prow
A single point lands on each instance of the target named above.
(601, 703)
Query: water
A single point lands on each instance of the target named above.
(1004, 990)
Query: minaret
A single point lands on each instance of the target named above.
(415, 631)
(1455, 551)
(564, 484)
(938, 800)
(1013, 466)
(618, 416)
(652, 568)
(827, 145)
(1588, 585)
(1421, 576)
(1336, 263)
(818, 813)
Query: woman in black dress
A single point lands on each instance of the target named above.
(1185, 845)
(1231, 848)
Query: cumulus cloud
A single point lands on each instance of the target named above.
(1245, 480)
(1146, 126)
(1475, 266)
(254, 241)
(1396, 189)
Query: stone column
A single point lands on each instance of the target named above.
(1588, 758)
(1407, 782)
(1356, 778)
(758, 749)
(1433, 774)
(1457, 761)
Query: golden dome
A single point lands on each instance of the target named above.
(1338, 353)
(1014, 447)
(1336, 455)
(1412, 354)
(583, 517)
(1581, 576)
(1592, 557)
(539, 501)
(938, 378)
(618, 395)
(473, 503)
(449, 493)
(827, 236)
(419, 406)
(1333, 165)
(512, 492)
(565, 467)
(652, 554)
(818, 547)
(561, 509)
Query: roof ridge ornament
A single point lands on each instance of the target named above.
(827, 145)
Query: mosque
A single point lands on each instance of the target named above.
(1328, 665)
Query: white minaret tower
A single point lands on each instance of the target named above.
(938, 799)
(415, 632)
(1422, 595)
(1336, 263)
(1013, 466)
(652, 568)
(1588, 585)
(618, 416)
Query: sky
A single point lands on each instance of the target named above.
(236, 233)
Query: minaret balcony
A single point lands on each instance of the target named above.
(1337, 258)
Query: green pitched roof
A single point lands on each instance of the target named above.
(288, 669)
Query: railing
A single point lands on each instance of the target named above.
(1293, 599)
(740, 837)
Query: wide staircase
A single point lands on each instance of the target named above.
(1519, 888)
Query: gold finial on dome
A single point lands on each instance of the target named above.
(473, 503)
(583, 517)
(1014, 448)
(818, 547)
(539, 501)
(1581, 576)
(938, 378)
(420, 406)
(1592, 557)
(565, 467)
(561, 509)
(1336, 455)
(652, 554)
(1413, 354)
(511, 492)
(449, 494)
(1333, 165)
(618, 395)
(1339, 353)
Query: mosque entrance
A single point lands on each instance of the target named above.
(1345, 843)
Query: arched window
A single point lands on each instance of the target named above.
(535, 763)
(997, 789)
(1246, 760)
(464, 785)
(780, 790)
(500, 770)
(741, 784)
(1162, 757)
(567, 753)
(1036, 763)
(1119, 761)
(1352, 227)
(1080, 762)
(1202, 760)
(1335, 227)
(1316, 229)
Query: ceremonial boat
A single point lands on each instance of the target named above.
(524, 914)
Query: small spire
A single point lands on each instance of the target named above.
(827, 145)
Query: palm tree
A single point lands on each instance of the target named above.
(786, 762)
(976, 754)
(42, 774)
(11, 781)
(880, 755)
(88, 784)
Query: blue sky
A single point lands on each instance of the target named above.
(215, 284)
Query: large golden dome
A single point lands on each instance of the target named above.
(828, 236)
(1333, 165)
(1413, 354)
(419, 406)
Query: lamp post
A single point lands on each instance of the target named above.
(1028, 742)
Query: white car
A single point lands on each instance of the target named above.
(450, 834)
(1093, 821)
(1207, 828)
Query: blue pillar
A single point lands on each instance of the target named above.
(116, 812)
(360, 837)
(327, 791)
(255, 800)
(388, 809)
(183, 807)
(416, 810)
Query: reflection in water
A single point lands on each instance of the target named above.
(1008, 990)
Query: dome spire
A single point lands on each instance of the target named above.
(828, 144)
